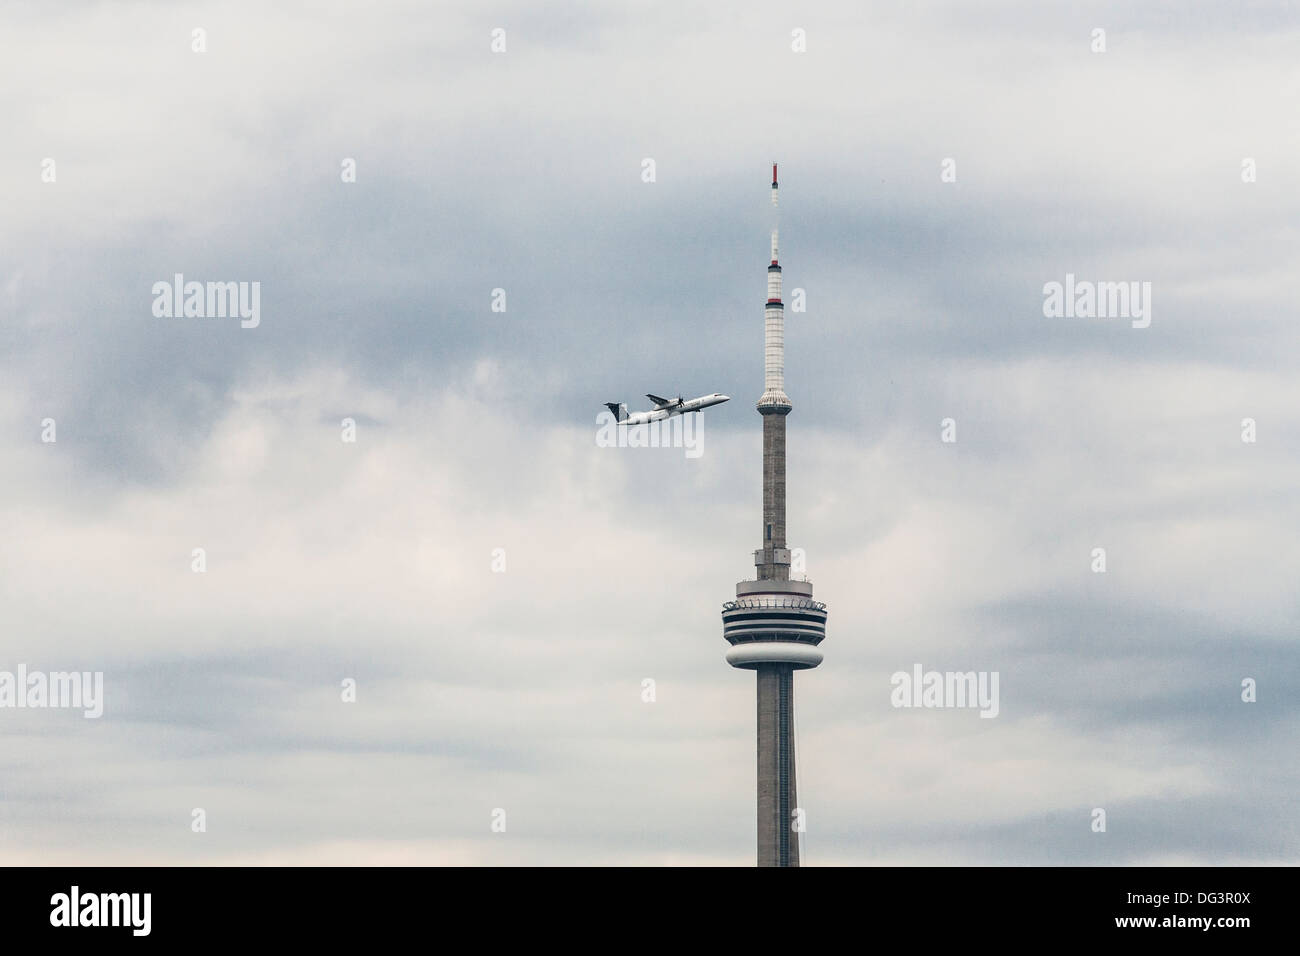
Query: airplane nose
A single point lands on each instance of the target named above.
(724, 398)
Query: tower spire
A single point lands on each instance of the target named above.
(775, 216)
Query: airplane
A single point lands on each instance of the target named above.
(665, 408)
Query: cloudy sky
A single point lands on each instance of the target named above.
(522, 170)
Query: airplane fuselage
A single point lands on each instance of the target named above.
(668, 411)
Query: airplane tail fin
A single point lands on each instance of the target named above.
(619, 411)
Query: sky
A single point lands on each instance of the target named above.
(494, 585)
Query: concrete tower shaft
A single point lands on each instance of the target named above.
(773, 559)
(778, 841)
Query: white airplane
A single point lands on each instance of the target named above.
(665, 408)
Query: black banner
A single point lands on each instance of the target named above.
(1151, 906)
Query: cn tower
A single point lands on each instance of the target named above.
(774, 625)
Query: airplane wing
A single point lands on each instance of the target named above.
(661, 402)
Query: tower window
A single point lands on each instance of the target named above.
(769, 532)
